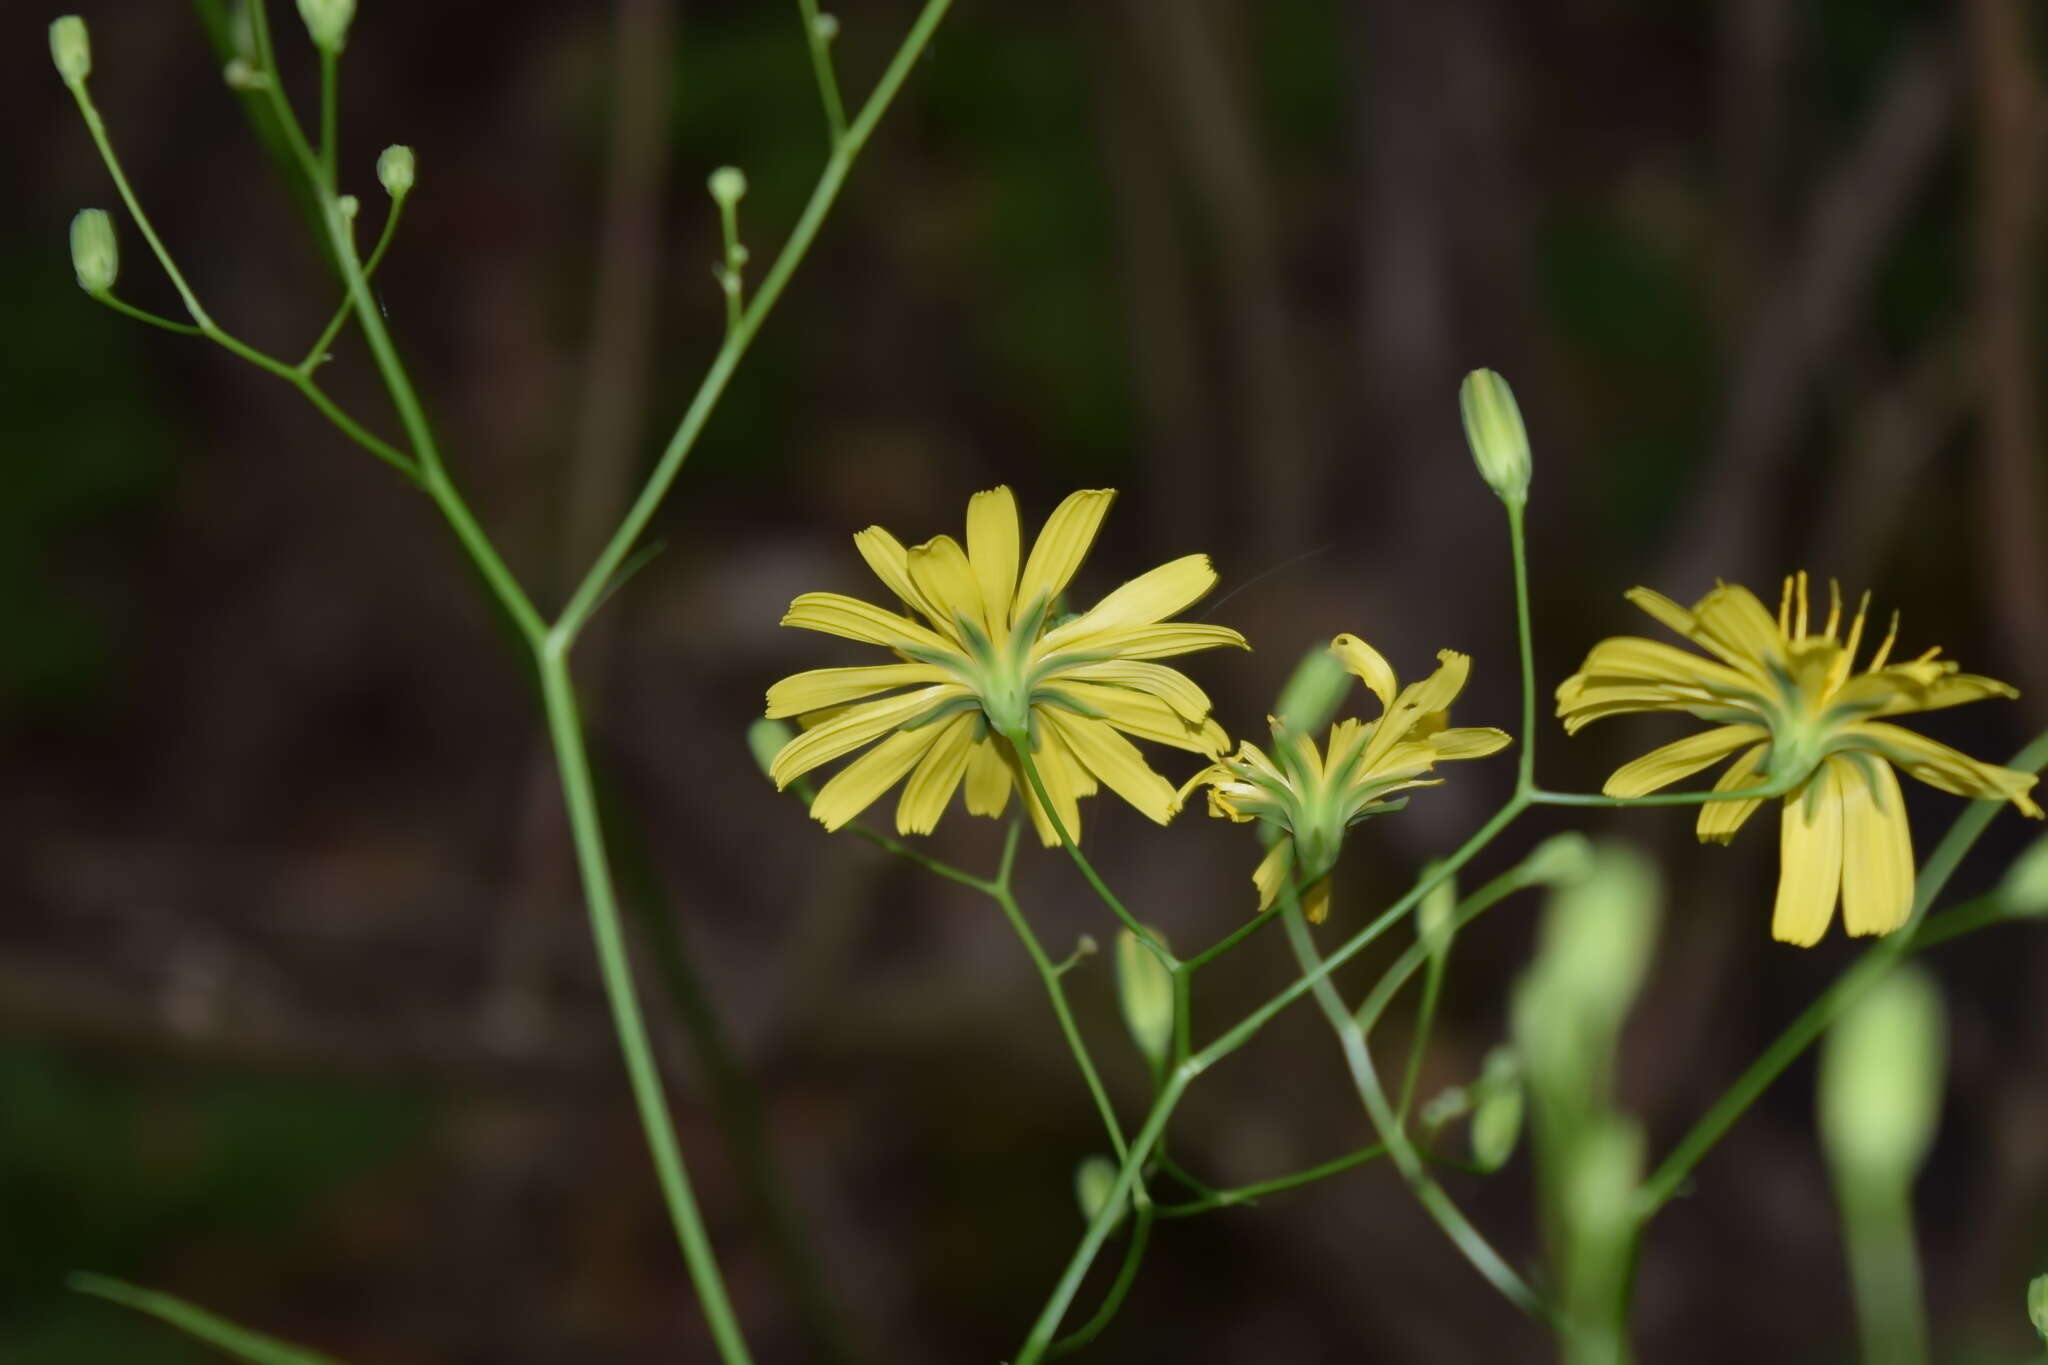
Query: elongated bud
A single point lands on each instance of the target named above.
(2025, 888)
(71, 49)
(395, 169)
(1493, 428)
(1561, 860)
(1094, 1181)
(95, 255)
(765, 739)
(1497, 1116)
(1881, 1082)
(1600, 931)
(728, 185)
(1144, 987)
(1434, 920)
(327, 22)
(2037, 1304)
(1313, 694)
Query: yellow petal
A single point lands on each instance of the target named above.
(1137, 713)
(1719, 820)
(1368, 665)
(992, 548)
(1146, 600)
(1810, 861)
(1631, 659)
(856, 786)
(937, 777)
(856, 726)
(940, 572)
(1061, 547)
(989, 779)
(822, 687)
(1116, 762)
(1940, 766)
(837, 614)
(1469, 742)
(1158, 642)
(1439, 689)
(1315, 900)
(1670, 614)
(1170, 685)
(884, 554)
(1680, 759)
(1271, 873)
(1877, 847)
(1733, 616)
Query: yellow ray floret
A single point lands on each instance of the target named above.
(1790, 707)
(980, 656)
(1308, 796)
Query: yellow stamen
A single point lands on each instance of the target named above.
(1802, 604)
(1834, 607)
(1785, 609)
(1884, 651)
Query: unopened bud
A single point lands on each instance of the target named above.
(71, 49)
(350, 206)
(395, 169)
(1313, 694)
(1094, 1182)
(2025, 888)
(1435, 919)
(728, 185)
(826, 27)
(1601, 929)
(765, 739)
(1561, 860)
(327, 22)
(1497, 1117)
(1881, 1081)
(1144, 988)
(1499, 441)
(2037, 1304)
(95, 255)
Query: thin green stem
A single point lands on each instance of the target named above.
(1126, 1276)
(1885, 1269)
(231, 1337)
(890, 844)
(821, 66)
(584, 600)
(280, 103)
(1525, 773)
(1958, 920)
(317, 353)
(1416, 954)
(1246, 1194)
(1425, 1020)
(127, 309)
(1467, 1238)
(1229, 941)
(98, 128)
(565, 730)
(1814, 1020)
(1020, 744)
(330, 131)
(1055, 992)
(1539, 797)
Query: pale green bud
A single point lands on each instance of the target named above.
(728, 185)
(1601, 930)
(1494, 430)
(765, 739)
(1497, 1116)
(1144, 987)
(1561, 860)
(1881, 1080)
(1435, 919)
(349, 206)
(1446, 1106)
(826, 26)
(1312, 695)
(1094, 1182)
(395, 169)
(327, 22)
(2025, 888)
(71, 49)
(2037, 1304)
(95, 255)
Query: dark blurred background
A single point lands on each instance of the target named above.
(298, 1016)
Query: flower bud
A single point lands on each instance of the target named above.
(1497, 1115)
(2037, 1304)
(71, 49)
(395, 169)
(1313, 694)
(1094, 1181)
(1881, 1082)
(1494, 430)
(349, 207)
(1435, 919)
(1144, 988)
(327, 22)
(765, 739)
(2025, 888)
(826, 27)
(1561, 860)
(728, 185)
(1601, 929)
(95, 255)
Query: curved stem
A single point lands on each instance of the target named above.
(98, 129)
(1020, 744)
(1126, 1275)
(1245, 1194)
(565, 730)
(317, 352)
(821, 67)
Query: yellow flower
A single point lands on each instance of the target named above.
(992, 662)
(1791, 708)
(1309, 797)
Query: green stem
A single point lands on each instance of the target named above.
(1539, 797)
(565, 730)
(1525, 773)
(280, 103)
(318, 351)
(585, 599)
(1468, 1239)
(1228, 942)
(1020, 744)
(1958, 920)
(330, 132)
(98, 129)
(1245, 1194)
(1416, 955)
(821, 67)
(1814, 1020)
(1425, 1019)
(127, 309)
(1885, 1269)
(1126, 1276)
